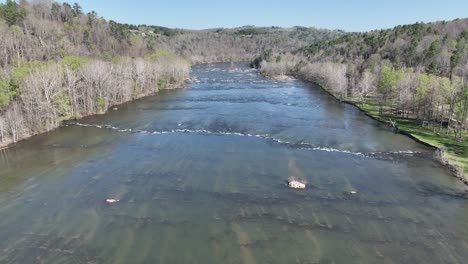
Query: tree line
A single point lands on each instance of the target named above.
(58, 63)
(236, 44)
(45, 93)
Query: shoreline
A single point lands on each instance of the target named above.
(440, 155)
(444, 160)
(8, 144)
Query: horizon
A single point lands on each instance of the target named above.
(360, 16)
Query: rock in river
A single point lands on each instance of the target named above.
(296, 185)
(111, 201)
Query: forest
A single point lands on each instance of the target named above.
(241, 44)
(59, 63)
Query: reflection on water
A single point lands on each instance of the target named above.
(200, 174)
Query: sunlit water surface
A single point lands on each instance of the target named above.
(200, 174)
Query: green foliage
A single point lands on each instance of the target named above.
(4, 94)
(62, 104)
(75, 62)
(457, 55)
(12, 12)
(299, 65)
(461, 108)
(17, 77)
(92, 17)
(266, 55)
(464, 34)
(423, 88)
(161, 55)
(400, 45)
(447, 88)
(16, 29)
(455, 60)
(251, 31)
(434, 49)
(19, 73)
(169, 32)
(389, 79)
(162, 84)
(119, 31)
(77, 9)
(101, 103)
(432, 54)
(434, 67)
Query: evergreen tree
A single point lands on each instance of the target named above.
(12, 12)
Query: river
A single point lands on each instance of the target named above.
(200, 174)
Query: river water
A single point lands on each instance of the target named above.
(200, 174)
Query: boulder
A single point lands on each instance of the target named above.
(111, 201)
(296, 185)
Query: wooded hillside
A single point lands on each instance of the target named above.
(241, 44)
(58, 63)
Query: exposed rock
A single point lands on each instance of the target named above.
(296, 185)
(111, 201)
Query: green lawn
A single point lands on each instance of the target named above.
(456, 151)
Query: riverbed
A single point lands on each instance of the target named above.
(199, 175)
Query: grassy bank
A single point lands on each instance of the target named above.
(455, 152)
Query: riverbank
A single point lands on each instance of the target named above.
(158, 85)
(49, 92)
(448, 151)
(451, 144)
(7, 144)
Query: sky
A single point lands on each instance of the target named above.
(357, 15)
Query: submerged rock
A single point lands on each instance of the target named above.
(296, 185)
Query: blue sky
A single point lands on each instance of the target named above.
(357, 15)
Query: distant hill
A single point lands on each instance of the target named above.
(45, 30)
(231, 44)
(438, 48)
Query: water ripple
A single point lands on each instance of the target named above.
(295, 145)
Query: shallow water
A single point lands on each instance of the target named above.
(200, 174)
